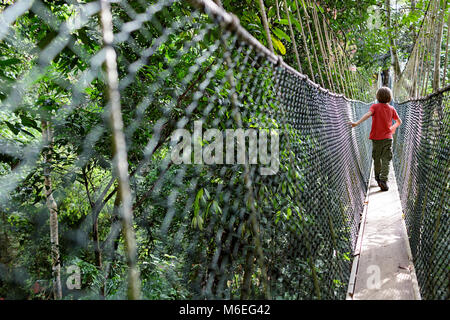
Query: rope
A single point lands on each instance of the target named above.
(291, 31)
(305, 43)
(321, 45)
(313, 44)
(266, 25)
(279, 221)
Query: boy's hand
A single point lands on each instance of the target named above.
(353, 124)
(395, 125)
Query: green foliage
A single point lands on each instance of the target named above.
(81, 171)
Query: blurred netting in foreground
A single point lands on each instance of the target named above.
(422, 170)
(202, 230)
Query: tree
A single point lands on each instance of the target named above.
(47, 137)
(437, 47)
(392, 42)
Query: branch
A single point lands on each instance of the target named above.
(149, 191)
(86, 186)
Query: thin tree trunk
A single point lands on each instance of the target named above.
(437, 48)
(385, 81)
(393, 48)
(111, 244)
(248, 271)
(413, 31)
(444, 77)
(414, 75)
(95, 236)
(47, 136)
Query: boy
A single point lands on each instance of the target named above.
(381, 134)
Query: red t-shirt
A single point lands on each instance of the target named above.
(382, 116)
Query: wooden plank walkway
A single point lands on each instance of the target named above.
(383, 270)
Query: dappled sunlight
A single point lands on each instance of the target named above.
(384, 270)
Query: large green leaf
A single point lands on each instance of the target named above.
(281, 34)
(278, 45)
(9, 62)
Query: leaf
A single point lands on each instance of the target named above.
(293, 20)
(207, 208)
(9, 62)
(289, 213)
(279, 45)
(297, 24)
(197, 202)
(12, 127)
(319, 7)
(283, 21)
(29, 122)
(281, 34)
(217, 207)
(27, 132)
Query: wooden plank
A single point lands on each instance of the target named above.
(385, 269)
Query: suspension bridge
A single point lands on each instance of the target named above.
(118, 81)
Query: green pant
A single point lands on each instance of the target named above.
(382, 155)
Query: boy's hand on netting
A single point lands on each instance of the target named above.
(353, 124)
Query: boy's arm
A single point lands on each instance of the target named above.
(363, 118)
(397, 123)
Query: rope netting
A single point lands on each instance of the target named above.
(421, 164)
(213, 216)
(164, 153)
(427, 67)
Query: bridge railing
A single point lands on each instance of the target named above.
(421, 161)
(173, 150)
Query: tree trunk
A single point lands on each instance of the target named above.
(385, 78)
(393, 49)
(412, 28)
(47, 136)
(437, 48)
(95, 238)
(444, 77)
(95, 214)
(111, 244)
(248, 272)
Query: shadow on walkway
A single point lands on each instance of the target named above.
(385, 269)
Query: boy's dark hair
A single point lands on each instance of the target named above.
(384, 95)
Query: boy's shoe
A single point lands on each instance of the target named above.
(383, 185)
(378, 181)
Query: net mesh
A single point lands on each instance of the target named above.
(279, 220)
(422, 171)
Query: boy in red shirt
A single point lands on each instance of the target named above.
(381, 134)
